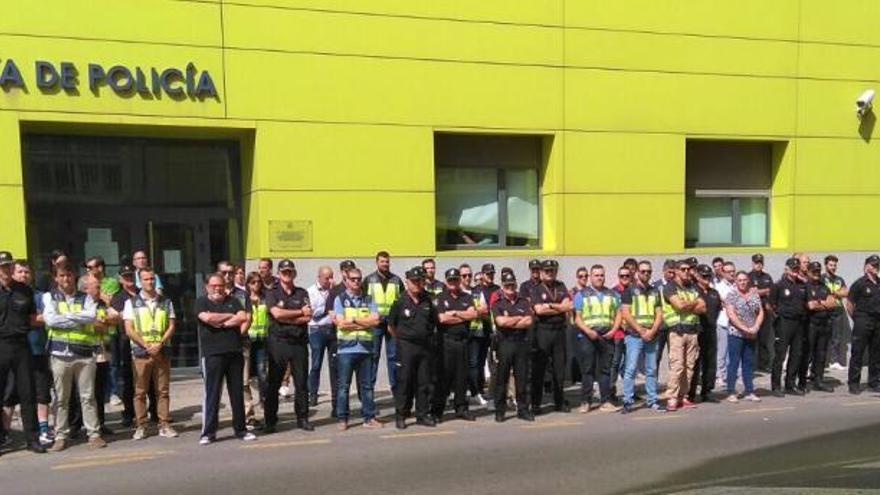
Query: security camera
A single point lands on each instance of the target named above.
(864, 103)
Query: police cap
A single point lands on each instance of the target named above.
(453, 274)
(550, 265)
(792, 263)
(757, 258)
(488, 268)
(534, 264)
(6, 258)
(873, 260)
(126, 270)
(814, 267)
(346, 265)
(415, 273)
(704, 271)
(286, 265)
(508, 278)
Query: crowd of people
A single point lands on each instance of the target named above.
(449, 344)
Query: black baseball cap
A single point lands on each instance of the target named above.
(872, 260)
(506, 269)
(757, 258)
(792, 263)
(415, 273)
(692, 261)
(549, 265)
(6, 258)
(453, 274)
(286, 265)
(126, 270)
(814, 266)
(704, 271)
(508, 278)
(347, 265)
(488, 268)
(535, 264)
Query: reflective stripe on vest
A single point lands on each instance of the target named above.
(477, 323)
(676, 318)
(642, 308)
(259, 322)
(110, 332)
(598, 312)
(151, 325)
(834, 286)
(383, 298)
(352, 309)
(83, 335)
(668, 310)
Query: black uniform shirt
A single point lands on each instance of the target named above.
(296, 299)
(520, 306)
(414, 321)
(761, 280)
(865, 297)
(446, 301)
(789, 298)
(16, 307)
(816, 291)
(218, 340)
(553, 293)
(713, 307)
(526, 288)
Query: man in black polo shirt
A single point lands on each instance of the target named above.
(288, 345)
(820, 303)
(412, 320)
(551, 303)
(455, 310)
(762, 282)
(18, 312)
(706, 367)
(526, 288)
(789, 299)
(864, 300)
(222, 321)
(513, 318)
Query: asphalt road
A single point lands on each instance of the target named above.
(821, 443)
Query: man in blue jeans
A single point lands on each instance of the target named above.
(322, 336)
(355, 315)
(384, 288)
(642, 312)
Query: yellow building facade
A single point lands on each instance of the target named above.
(333, 109)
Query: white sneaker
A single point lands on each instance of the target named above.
(46, 439)
(284, 391)
(248, 437)
(478, 400)
(753, 398)
(139, 434)
(732, 398)
(167, 432)
(205, 441)
(837, 367)
(115, 400)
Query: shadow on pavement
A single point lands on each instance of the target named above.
(843, 460)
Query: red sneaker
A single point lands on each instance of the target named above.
(687, 404)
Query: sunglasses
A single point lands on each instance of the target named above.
(646, 272)
(625, 275)
(227, 272)
(466, 275)
(582, 275)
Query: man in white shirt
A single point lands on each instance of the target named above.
(724, 286)
(322, 336)
(73, 336)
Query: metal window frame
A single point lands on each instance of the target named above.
(735, 195)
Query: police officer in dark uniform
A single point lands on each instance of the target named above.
(455, 311)
(526, 288)
(412, 319)
(820, 304)
(551, 304)
(789, 299)
(18, 312)
(513, 318)
(288, 345)
(763, 282)
(864, 298)
(706, 368)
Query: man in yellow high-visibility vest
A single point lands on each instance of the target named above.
(384, 288)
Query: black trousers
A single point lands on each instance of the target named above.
(15, 357)
(216, 368)
(513, 352)
(281, 353)
(706, 368)
(790, 337)
(549, 349)
(595, 358)
(815, 354)
(102, 377)
(865, 335)
(452, 375)
(765, 348)
(662, 343)
(414, 377)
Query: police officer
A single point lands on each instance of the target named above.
(384, 288)
(17, 313)
(412, 319)
(706, 367)
(513, 317)
(864, 299)
(659, 284)
(641, 310)
(433, 286)
(820, 304)
(789, 298)
(762, 282)
(551, 303)
(288, 345)
(684, 326)
(526, 288)
(455, 312)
